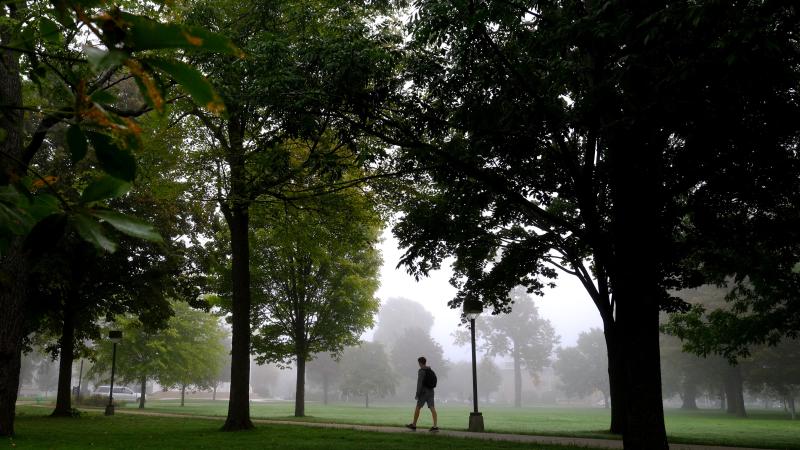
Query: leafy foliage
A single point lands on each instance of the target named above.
(315, 272)
(367, 371)
(583, 369)
(187, 352)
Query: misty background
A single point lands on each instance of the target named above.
(564, 362)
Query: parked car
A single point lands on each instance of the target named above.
(120, 393)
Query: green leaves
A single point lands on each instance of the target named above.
(76, 141)
(100, 59)
(129, 225)
(104, 188)
(92, 232)
(147, 34)
(115, 161)
(193, 81)
(49, 31)
(87, 226)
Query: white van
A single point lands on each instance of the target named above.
(120, 393)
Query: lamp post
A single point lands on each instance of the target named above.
(472, 309)
(115, 336)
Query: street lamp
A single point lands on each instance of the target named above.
(472, 309)
(115, 336)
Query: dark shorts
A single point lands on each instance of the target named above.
(425, 397)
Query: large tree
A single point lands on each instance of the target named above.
(314, 277)
(313, 68)
(521, 334)
(41, 43)
(590, 137)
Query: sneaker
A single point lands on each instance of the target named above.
(411, 427)
(434, 429)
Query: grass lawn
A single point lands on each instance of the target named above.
(762, 429)
(37, 431)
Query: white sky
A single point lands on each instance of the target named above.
(568, 307)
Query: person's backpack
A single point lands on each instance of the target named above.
(430, 378)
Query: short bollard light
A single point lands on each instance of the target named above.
(472, 309)
(114, 336)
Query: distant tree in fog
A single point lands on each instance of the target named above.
(777, 370)
(688, 375)
(583, 369)
(324, 371)
(459, 381)
(396, 316)
(189, 351)
(522, 334)
(412, 344)
(711, 327)
(489, 378)
(366, 372)
(46, 375)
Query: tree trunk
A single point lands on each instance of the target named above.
(214, 395)
(517, 378)
(183, 394)
(300, 388)
(791, 407)
(367, 399)
(237, 217)
(606, 404)
(689, 394)
(143, 389)
(616, 379)
(13, 265)
(324, 388)
(734, 391)
(67, 353)
(637, 240)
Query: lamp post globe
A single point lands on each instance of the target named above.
(115, 336)
(473, 308)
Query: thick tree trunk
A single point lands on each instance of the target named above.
(791, 407)
(300, 388)
(237, 214)
(517, 379)
(638, 247)
(13, 261)
(214, 394)
(367, 399)
(734, 391)
(616, 380)
(183, 394)
(606, 404)
(67, 353)
(239, 403)
(143, 389)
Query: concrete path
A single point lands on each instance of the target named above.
(522, 438)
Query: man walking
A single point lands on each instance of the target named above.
(426, 382)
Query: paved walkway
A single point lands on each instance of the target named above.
(522, 438)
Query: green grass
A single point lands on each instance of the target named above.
(762, 429)
(123, 431)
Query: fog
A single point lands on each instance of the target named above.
(568, 307)
(417, 321)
